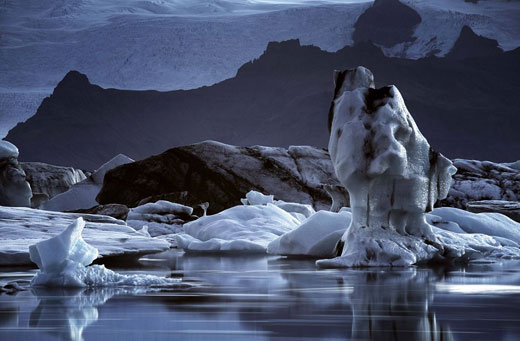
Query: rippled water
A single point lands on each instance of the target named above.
(274, 298)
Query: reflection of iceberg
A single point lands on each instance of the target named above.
(63, 262)
(67, 312)
(395, 306)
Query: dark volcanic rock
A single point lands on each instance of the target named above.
(222, 174)
(280, 99)
(470, 45)
(387, 22)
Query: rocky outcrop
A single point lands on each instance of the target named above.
(221, 174)
(469, 45)
(280, 99)
(387, 22)
(51, 180)
(483, 180)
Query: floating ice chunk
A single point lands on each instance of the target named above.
(317, 236)
(161, 207)
(491, 224)
(161, 217)
(392, 175)
(240, 228)
(63, 262)
(54, 254)
(299, 211)
(257, 198)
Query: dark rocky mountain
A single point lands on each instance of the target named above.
(469, 44)
(466, 108)
(387, 22)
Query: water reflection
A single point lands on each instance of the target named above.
(66, 313)
(272, 298)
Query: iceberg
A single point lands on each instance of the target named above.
(392, 174)
(491, 224)
(299, 211)
(15, 190)
(317, 236)
(246, 228)
(160, 218)
(82, 195)
(63, 261)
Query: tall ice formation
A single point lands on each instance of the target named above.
(392, 174)
(14, 189)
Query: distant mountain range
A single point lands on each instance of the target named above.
(182, 44)
(466, 107)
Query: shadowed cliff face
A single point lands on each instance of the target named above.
(469, 44)
(387, 22)
(465, 108)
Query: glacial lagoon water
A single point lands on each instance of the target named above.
(273, 298)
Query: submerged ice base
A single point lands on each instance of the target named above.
(63, 261)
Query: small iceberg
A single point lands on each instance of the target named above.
(245, 229)
(64, 262)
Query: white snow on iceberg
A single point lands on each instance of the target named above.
(317, 236)
(160, 218)
(63, 262)
(247, 228)
(491, 224)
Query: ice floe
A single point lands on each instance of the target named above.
(21, 227)
(63, 261)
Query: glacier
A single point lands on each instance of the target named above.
(159, 44)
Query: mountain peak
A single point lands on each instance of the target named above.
(469, 44)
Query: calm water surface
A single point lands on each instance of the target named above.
(274, 298)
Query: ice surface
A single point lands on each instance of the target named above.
(392, 175)
(63, 261)
(491, 224)
(240, 229)
(317, 236)
(299, 211)
(160, 218)
(21, 227)
(83, 194)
